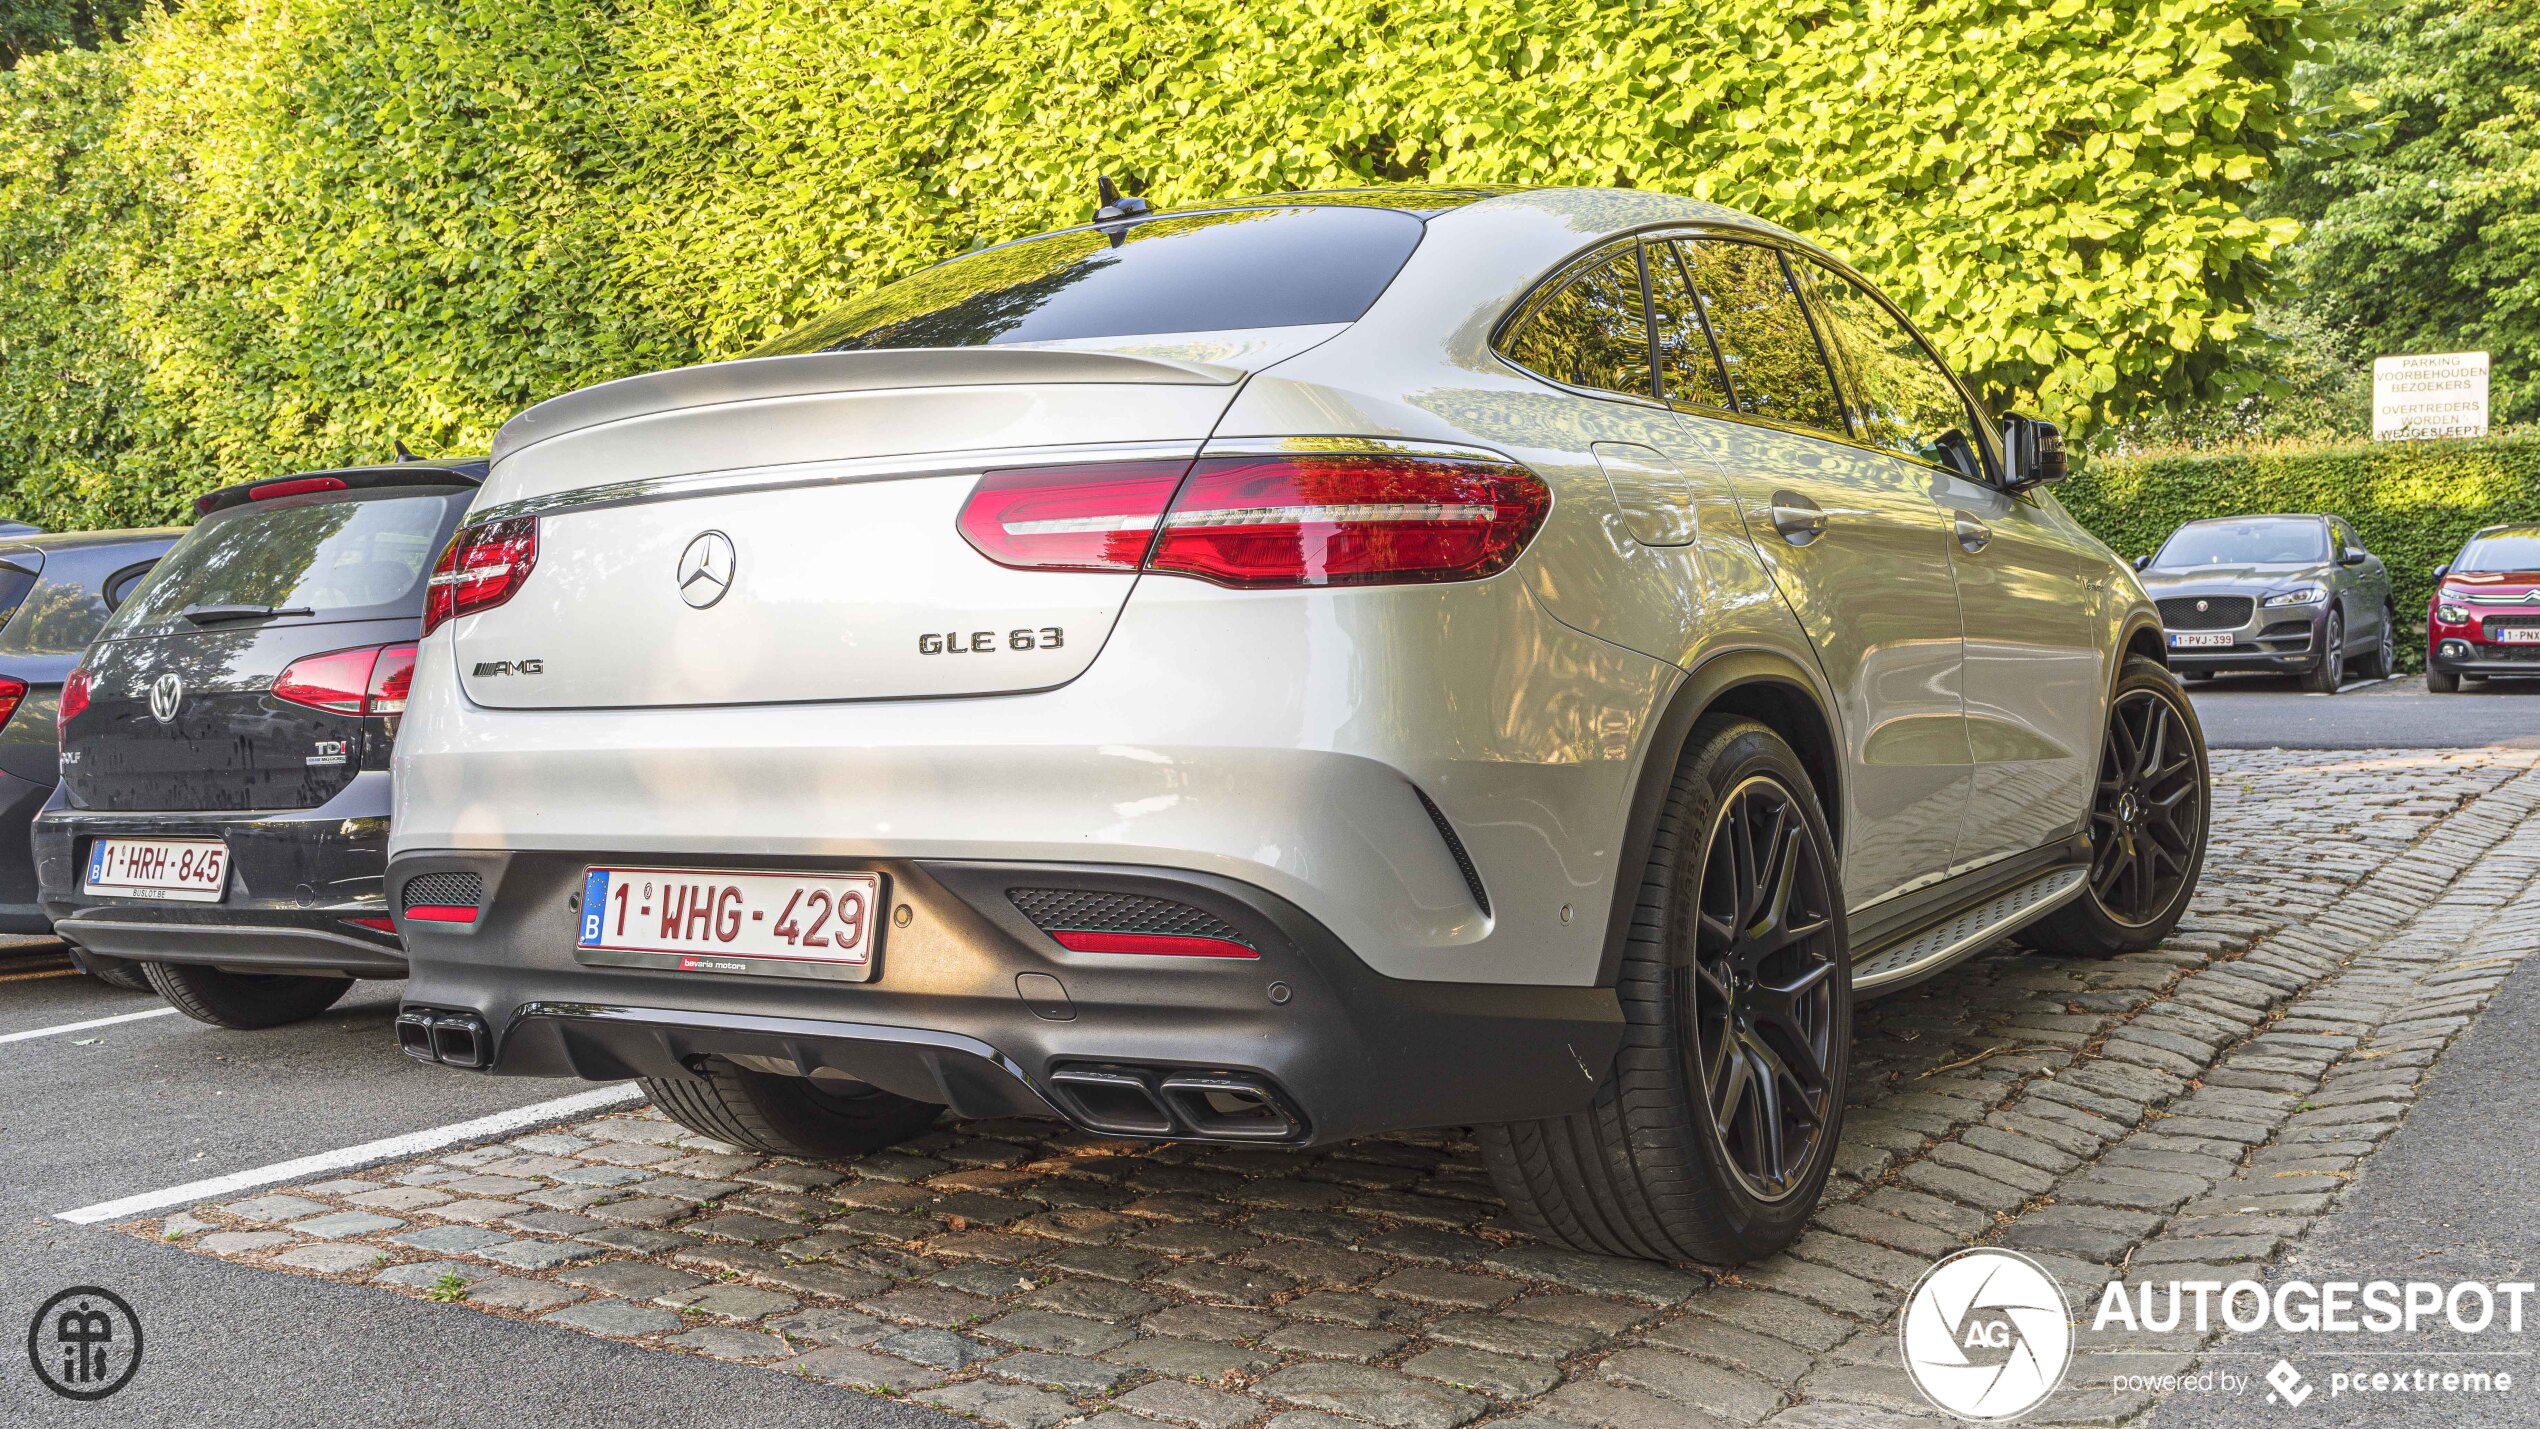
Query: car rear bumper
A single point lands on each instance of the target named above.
(21, 909)
(297, 880)
(974, 1006)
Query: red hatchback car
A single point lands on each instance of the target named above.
(2484, 618)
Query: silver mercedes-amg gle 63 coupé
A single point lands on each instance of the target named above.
(1282, 670)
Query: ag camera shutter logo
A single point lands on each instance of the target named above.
(1986, 1334)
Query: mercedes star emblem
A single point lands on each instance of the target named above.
(705, 569)
(166, 693)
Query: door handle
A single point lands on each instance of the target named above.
(1799, 519)
(1973, 535)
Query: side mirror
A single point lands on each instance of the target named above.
(2442, 570)
(2353, 557)
(2143, 563)
(2034, 450)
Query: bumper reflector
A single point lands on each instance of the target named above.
(440, 913)
(1163, 945)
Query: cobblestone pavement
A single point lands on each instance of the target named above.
(2200, 1105)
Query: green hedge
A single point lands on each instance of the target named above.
(2413, 503)
(271, 233)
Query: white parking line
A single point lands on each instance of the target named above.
(92, 1022)
(386, 1149)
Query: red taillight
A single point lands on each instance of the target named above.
(376, 925)
(11, 691)
(74, 697)
(1070, 518)
(294, 486)
(1264, 522)
(369, 681)
(482, 567)
(391, 680)
(1161, 945)
(1347, 520)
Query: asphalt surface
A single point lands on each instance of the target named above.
(95, 1115)
(2267, 712)
(2449, 1198)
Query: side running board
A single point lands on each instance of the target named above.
(1919, 955)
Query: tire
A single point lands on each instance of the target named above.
(2442, 682)
(1646, 1170)
(128, 976)
(2111, 916)
(244, 1002)
(2383, 662)
(2331, 670)
(788, 1116)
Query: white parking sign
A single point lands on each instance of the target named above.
(2441, 394)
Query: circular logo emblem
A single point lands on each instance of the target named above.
(2204, 605)
(85, 1343)
(705, 569)
(1986, 1334)
(166, 693)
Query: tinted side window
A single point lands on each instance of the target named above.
(1260, 267)
(1593, 332)
(120, 586)
(1901, 398)
(1763, 332)
(1688, 366)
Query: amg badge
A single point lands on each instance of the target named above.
(487, 669)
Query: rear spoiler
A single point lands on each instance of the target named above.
(356, 478)
(1176, 359)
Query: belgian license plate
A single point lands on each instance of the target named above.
(2200, 640)
(714, 920)
(188, 870)
(2517, 635)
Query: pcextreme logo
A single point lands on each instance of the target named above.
(1986, 1334)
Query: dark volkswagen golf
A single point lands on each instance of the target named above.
(222, 820)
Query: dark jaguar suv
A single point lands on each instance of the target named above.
(222, 820)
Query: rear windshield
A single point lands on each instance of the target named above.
(358, 556)
(1205, 272)
(2265, 541)
(2501, 555)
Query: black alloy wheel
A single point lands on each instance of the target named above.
(2147, 820)
(1762, 991)
(2331, 670)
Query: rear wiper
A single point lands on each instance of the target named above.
(215, 614)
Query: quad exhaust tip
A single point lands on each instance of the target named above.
(450, 1039)
(1124, 1100)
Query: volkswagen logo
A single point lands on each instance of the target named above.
(166, 693)
(705, 569)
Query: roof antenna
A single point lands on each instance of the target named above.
(402, 453)
(1116, 207)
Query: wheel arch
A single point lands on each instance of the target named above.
(2142, 637)
(1767, 686)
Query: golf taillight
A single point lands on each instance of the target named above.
(1264, 522)
(371, 680)
(74, 697)
(482, 567)
(11, 691)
